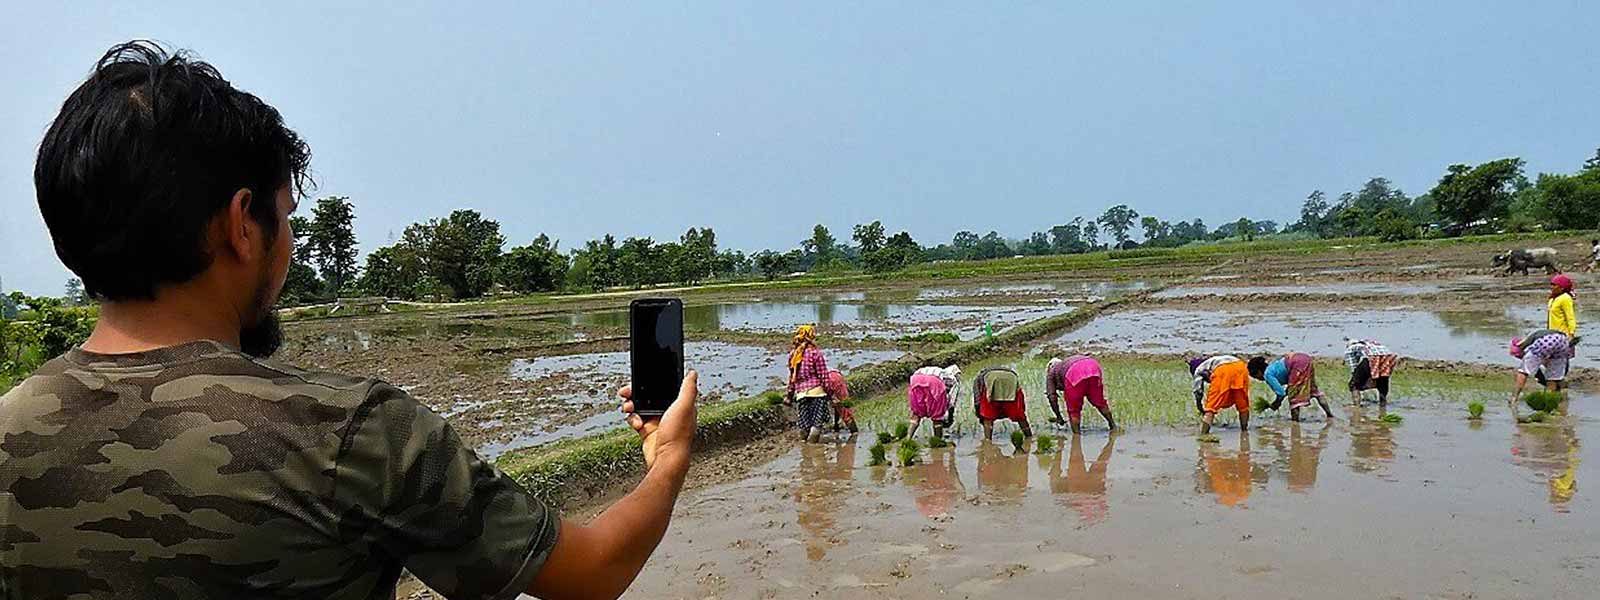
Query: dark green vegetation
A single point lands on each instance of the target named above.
(932, 337)
(879, 454)
(1018, 439)
(33, 330)
(1045, 444)
(908, 452)
(901, 430)
(1543, 400)
(1475, 410)
(885, 438)
(935, 441)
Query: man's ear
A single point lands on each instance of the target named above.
(239, 231)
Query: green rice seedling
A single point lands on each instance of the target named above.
(1207, 438)
(901, 430)
(908, 452)
(935, 441)
(1260, 405)
(885, 438)
(1046, 444)
(1544, 401)
(1391, 419)
(880, 455)
(1474, 410)
(1017, 439)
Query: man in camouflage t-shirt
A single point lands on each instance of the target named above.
(166, 458)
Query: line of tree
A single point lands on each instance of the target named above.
(463, 254)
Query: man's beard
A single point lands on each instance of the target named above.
(262, 338)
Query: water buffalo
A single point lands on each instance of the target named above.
(1523, 259)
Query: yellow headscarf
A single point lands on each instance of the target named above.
(805, 336)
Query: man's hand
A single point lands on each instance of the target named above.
(672, 435)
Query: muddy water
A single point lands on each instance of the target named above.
(1059, 291)
(585, 385)
(1466, 336)
(1433, 507)
(854, 320)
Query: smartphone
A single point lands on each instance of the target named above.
(655, 352)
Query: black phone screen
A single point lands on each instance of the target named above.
(656, 353)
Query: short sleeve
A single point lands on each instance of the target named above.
(408, 485)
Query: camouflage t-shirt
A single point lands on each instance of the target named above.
(196, 471)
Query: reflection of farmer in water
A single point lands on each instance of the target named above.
(1005, 478)
(1303, 455)
(1226, 474)
(1081, 486)
(1220, 382)
(1077, 378)
(936, 486)
(1292, 377)
(1550, 452)
(821, 493)
(1371, 440)
(997, 394)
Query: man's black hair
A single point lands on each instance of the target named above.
(143, 155)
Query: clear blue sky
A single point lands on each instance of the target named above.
(760, 119)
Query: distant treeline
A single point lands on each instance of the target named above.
(463, 255)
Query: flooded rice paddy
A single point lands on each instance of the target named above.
(1436, 506)
(851, 320)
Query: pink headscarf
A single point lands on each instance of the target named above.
(1563, 282)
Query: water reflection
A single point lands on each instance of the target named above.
(1552, 453)
(1082, 486)
(851, 318)
(1002, 479)
(936, 486)
(1372, 442)
(1299, 456)
(1227, 473)
(825, 480)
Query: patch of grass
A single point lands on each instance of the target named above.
(1045, 444)
(1391, 419)
(1475, 410)
(932, 337)
(885, 438)
(1017, 439)
(908, 452)
(935, 441)
(1543, 400)
(879, 455)
(901, 430)
(1208, 438)
(773, 398)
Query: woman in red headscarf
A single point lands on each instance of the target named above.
(1563, 316)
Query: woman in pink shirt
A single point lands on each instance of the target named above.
(1078, 378)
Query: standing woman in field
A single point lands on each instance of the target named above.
(1563, 315)
(1294, 377)
(1078, 378)
(808, 373)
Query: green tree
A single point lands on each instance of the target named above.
(698, 257)
(301, 286)
(773, 264)
(73, 293)
(1466, 194)
(1314, 214)
(820, 247)
(596, 266)
(1569, 201)
(331, 239)
(869, 237)
(1118, 221)
(460, 251)
(991, 245)
(536, 267)
(1091, 235)
(965, 244)
(1391, 225)
(391, 271)
(1068, 238)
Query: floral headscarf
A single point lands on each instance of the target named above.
(805, 337)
